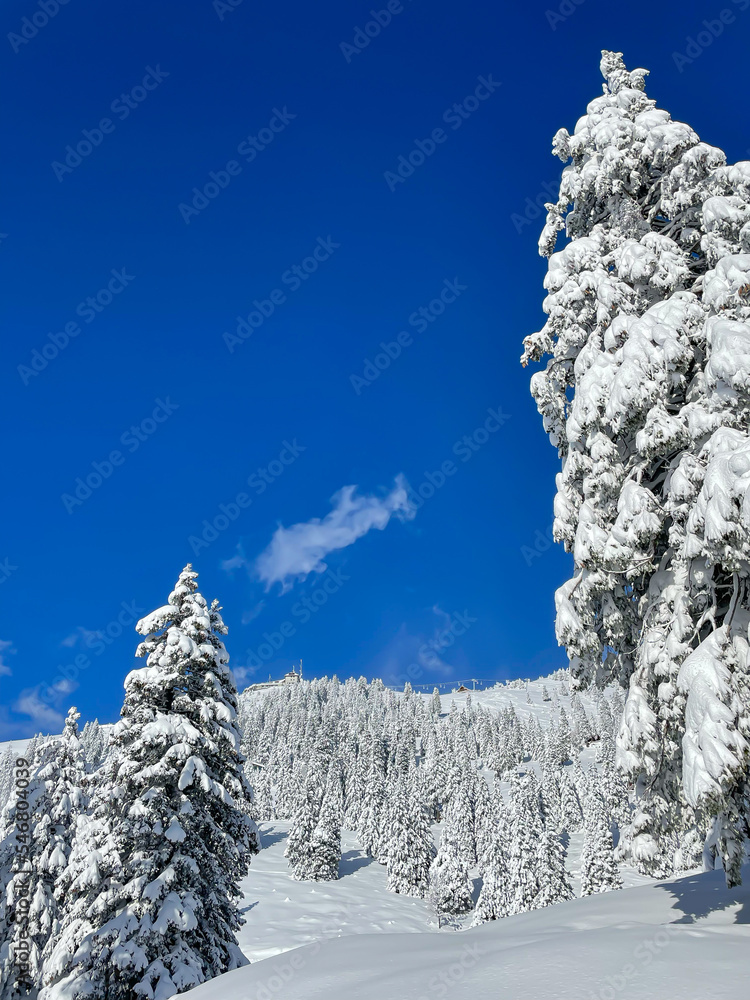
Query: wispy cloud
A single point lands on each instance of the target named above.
(6, 646)
(238, 561)
(79, 635)
(293, 553)
(416, 655)
(252, 613)
(44, 713)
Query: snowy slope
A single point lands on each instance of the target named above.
(282, 914)
(684, 939)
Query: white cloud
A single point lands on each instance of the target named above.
(295, 552)
(236, 562)
(6, 646)
(40, 712)
(242, 676)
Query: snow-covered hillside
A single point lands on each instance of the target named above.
(282, 913)
(687, 938)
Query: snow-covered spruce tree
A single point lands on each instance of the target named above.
(484, 819)
(154, 878)
(599, 871)
(7, 763)
(371, 819)
(462, 813)
(263, 805)
(554, 884)
(571, 814)
(56, 799)
(450, 887)
(493, 902)
(326, 839)
(94, 745)
(647, 398)
(524, 833)
(550, 796)
(298, 851)
(436, 706)
(408, 849)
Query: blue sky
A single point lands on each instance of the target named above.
(184, 347)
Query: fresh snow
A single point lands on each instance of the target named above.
(686, 938)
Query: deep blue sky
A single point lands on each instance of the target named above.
(322, 176)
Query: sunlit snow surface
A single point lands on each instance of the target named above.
(683, 939)
(283, 914)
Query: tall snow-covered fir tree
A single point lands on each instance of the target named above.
(646, 396)
(153, 881)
